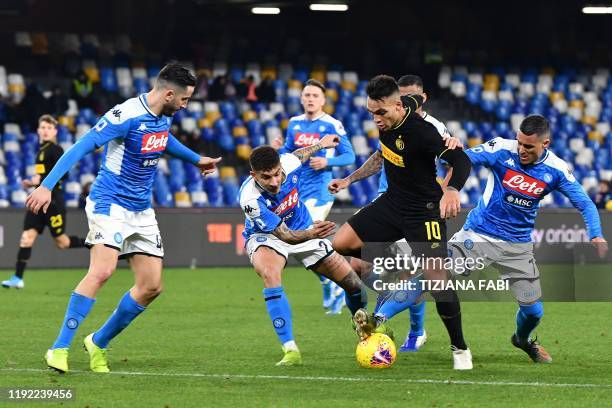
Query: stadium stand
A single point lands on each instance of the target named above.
(220, 119)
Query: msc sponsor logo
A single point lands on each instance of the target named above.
(519, 201)
(524, 184)
(288, 202)
(154, 142)
(150, 162)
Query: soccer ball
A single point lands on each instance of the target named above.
(377, 351)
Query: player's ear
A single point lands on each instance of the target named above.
(546, 143)
(424, 95)
(169, 94)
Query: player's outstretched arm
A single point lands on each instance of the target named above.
(320, 229)
(41, 197)
(570, 188)
(175, 148)
(370, 167)
(327, 142)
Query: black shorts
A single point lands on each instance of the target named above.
(55, 219)
(383, 222)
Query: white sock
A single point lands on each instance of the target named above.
(290, 345)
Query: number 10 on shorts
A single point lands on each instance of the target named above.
(433, 230)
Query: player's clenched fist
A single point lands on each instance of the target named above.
(450, 204)
(329, 141)
(40, 198)
(337, 185)
(323, 229)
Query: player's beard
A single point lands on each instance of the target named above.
(168, 110)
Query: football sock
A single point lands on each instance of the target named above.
(449, 309)
(417, 318)
(527, 319)
(77, 310)
(126, 311)
(279, 312)
(400, 300)
(76, 242)
(23, 255)
(356, 300)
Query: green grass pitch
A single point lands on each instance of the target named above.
(207, 341)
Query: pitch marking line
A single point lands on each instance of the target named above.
(345, 379)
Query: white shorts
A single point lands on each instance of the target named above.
(318, 212)
(309, 253)
(129, 232)
(513, 260)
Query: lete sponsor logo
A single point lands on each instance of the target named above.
(523, 184)
(288, 202)
(306, 139)
(154, 142)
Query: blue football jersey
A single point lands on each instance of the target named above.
(265, 211)
(302, 132)
(508, 207)
(134, 139)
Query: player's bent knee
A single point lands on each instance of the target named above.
(62, 242)
(100, 275)
(27, 239)
(271, 276)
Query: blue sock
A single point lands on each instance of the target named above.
(527, 318)
(77, 310)
(356, 301)
(279, 312)
(322, 278)
(400, 300)
(126, 311)
(417, 319)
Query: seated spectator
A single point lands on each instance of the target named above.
(265, 91)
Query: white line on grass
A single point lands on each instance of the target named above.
(327, 378)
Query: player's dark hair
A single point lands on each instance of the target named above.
(176, 74)
(381, 86)
(409, 80)
(314, 82)
(47, 119)
(264, 158)
(535, 124)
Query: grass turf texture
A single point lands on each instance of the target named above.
(208, 341)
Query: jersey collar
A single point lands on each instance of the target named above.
(317, 118)
(143, 100)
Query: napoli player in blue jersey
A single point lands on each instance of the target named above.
(306, 130)
(498, 229)
(122, 224)
(278, 224)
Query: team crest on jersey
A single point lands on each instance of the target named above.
(154, 142)
(547, 177)
(294, 179)
(399, 143)
(523, 184)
